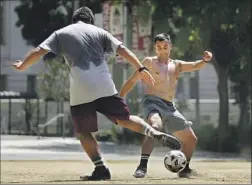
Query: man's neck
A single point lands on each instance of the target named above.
(163, 59)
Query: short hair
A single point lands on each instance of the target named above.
(83, 14)
(162, 37)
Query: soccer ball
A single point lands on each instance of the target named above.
(175, 161)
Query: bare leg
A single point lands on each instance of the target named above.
(148, 143)
(147, 146)
(189, 141)
(89, 144)
(91, 147)
(139, 125)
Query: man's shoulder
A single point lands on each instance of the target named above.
(80, 26)
(150, 59)
(147, 61)
(177, 62)
(64, 30)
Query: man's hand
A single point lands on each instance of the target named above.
(147, 77)
(18, 65)
(207, 56)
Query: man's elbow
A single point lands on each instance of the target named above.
(40, 51)
(121, 49)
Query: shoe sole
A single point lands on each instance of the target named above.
(138, 177)
(86, 179)
(169, 141)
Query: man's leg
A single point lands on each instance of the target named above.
(189, 141)
(137, 124)
(91, 147)
(148, 145)
(116, 110)
(85, 121)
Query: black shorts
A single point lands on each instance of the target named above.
(85, 115)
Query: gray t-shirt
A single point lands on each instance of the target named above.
(83, 46)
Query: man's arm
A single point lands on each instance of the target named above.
(112, 44)
(193, 66)
(129, 56)
(51, 44)
(131, 82)
(31, 58)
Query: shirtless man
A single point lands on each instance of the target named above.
(157, 104)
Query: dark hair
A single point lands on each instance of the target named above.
(162, 37)
(83, 14)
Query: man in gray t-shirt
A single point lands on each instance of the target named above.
(92, 89)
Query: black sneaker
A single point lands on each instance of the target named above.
(187, 173)
(168, 140)
(100, 173)
(140, 172)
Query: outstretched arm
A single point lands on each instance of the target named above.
(51, 44)
(30, 59)
(193, 66)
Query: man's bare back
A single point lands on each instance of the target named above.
(166, 77)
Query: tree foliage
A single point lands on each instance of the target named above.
(55, 79)
(202, 25)
(38, 19)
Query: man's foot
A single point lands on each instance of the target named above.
(140, 172)
(186, 173)
(99, 173)
(168, 140)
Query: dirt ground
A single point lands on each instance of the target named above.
(67, 172)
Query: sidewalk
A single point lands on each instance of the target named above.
(55, 148)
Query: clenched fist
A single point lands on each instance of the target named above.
(18, 65)
(207, 56)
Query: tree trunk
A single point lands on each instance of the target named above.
(223, 106)
(28, 117)
(243, 124)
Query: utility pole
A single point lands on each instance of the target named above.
(75, 4)
(125, 40)
(197, 96)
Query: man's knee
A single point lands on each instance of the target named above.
(186, 136)
(84, 135)
(155, 121)
(192, 135)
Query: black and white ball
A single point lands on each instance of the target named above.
(175, 161)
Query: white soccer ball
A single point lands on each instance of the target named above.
(175, 161)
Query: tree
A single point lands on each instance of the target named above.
(55, 85)
(55, 79)
(221, 32)
(38, 19)
(240, 73)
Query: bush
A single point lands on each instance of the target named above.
(125, 137)
(208, 139)
(105, 136)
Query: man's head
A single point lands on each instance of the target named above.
(83, 14)
(163, 44)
